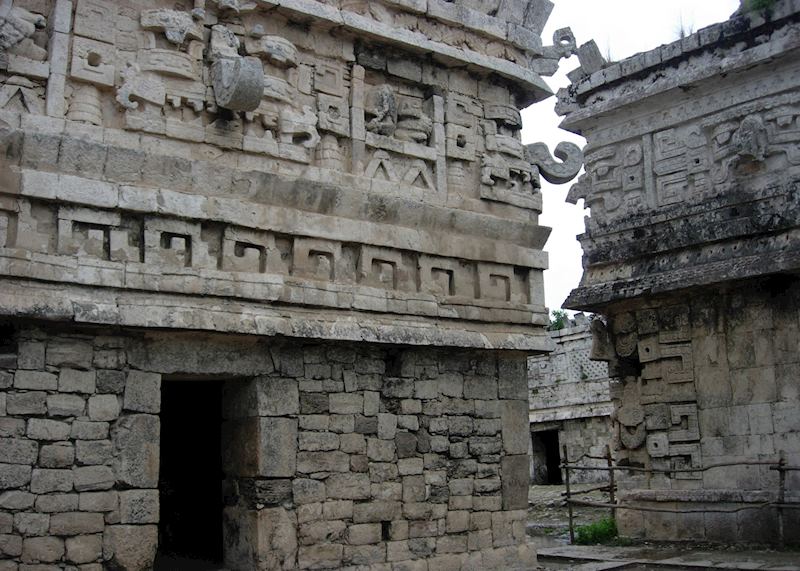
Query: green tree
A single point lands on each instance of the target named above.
(558, 320)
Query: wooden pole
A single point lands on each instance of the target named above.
(569, 497)
(612, 482)
(781, 496)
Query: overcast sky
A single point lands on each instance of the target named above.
(623, 28)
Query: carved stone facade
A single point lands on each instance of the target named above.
(570, 405)
(216, 142)
(691, 257)
(345, 177)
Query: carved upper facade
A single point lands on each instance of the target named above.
(337, 169)
(692, 164)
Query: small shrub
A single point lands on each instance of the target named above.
(602, 531)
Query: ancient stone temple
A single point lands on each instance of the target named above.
(691, 256)
(570, 406)
(269, 274)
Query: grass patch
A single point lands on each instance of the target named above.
(602, 531)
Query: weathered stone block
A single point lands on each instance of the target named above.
(387, 426)
(18, 451)
(380, 450)
(264, 447)
(337, 509)
(57, 503)
(26, 403)
(306, 491)
(346, 403)
(348, 486)
(512, 379)
(31, 524)
(414, 489)
(277, 397)
(30, 355)
(65, 405)
(515, 427)
(366, 425)
(343, 423)
(69, 353)
(45, 481)
(313, 403)
(319, 532)
(383, 471)
(46, 429)
(93, 452)
(312, 462)
(406, 444)
(353, 443)
(76, 523)
(11, 546)
(376, 511)
(16, 500)
(142, 392)
(136, 450)
(97, 501)
(84, 548)
(42, 549)
(138, 506)
(515, 482)
(111, 382)
(35, 380)
(130, 547)
(318, 441)
(364, 534)
(410, 466)
(76, 381)
(60, 455)
(91, 478)
(398, 388)
(269, 535)
(320, 556)
(104, 408)
(86, 430)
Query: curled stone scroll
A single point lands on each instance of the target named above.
(553, 171)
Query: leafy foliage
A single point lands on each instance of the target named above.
(558, 320)
(760, 4)
(602, 531)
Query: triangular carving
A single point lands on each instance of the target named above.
(419, 173)
(381, 162)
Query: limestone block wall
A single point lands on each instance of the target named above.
(335, 455)
(717, 383)
(691, 257)
(285, 174)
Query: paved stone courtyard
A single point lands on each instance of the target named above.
(548, 531)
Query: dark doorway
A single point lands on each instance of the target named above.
(546, 452)
(190, 481)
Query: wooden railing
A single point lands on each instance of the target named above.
(780, 465)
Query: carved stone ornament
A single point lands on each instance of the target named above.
(177, 26)
(553, 171)
(238, 83)
(632, 438)
(602, 347)
(17, 25)
(750, 140)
